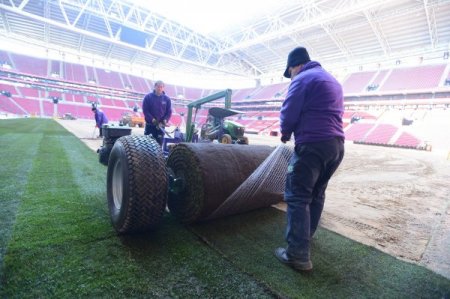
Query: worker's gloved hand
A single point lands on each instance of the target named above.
(155, 122)
(163, 123)
(285, 138)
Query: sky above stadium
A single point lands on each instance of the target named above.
(207, 16)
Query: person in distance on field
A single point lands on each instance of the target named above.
(157, 109)
(100, 120)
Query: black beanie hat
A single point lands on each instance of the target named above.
(297, 56)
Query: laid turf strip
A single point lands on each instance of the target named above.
(342, 267)
(16, 152)
(62, 244)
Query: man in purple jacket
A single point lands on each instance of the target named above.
(100, 120)
(312, 111)
(157, 109)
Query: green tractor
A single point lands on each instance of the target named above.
(225, 131)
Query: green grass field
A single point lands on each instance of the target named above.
(56, 240)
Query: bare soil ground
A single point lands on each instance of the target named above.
(396, 200)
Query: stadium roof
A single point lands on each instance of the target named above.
(339, 33)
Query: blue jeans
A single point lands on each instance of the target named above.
(156, 132)
(310, 168)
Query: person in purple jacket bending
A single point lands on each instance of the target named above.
(100, 120)
(157, 109)
(312, 111)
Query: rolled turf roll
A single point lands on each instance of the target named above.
(263, 188)
(209, 173)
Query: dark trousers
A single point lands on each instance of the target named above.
(100, 131)
(155, 132)
(310, 168)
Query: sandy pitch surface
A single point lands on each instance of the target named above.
(396, 200)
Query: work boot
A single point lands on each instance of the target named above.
(298, 265)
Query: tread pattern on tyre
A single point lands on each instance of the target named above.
(147, 183)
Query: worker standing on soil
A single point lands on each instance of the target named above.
(100, 120)
(312, 111)
(157, 109)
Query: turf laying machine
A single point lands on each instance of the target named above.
(224, 131)
(215, 129)
(197, 181)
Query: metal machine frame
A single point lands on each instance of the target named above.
(197, 104)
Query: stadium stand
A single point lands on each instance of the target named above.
(8, 88)
(113, 113)
(374, 115)
(74, 72)
(91, 99)
(120, 103)
(32, 107)
(8, 105)
(357, 82)
(366, 114)
(192, 93)
(379, 79)
(53, 94)
(176, 120)
(109, 78)
(29, 65)
(79, 98)
(270, 91)
(106, 102)
(242, 94)
(407, 140)
(357, 131)
(4, 60)
(49, 109)
(55, 68)
(413, 78)
(381, 134)
(29, 92)
(126, 81)
(91, 75)
(139, 84)
(170, 90)
(78, 111)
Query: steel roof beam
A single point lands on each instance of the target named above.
(309, 16)
(5, 22)
(384, 45)
(431, 22)
(175, 33)
(132, 16)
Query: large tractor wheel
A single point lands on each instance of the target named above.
(226, 139)
(137, 184)
(103, 155)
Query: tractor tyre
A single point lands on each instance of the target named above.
(244, 140)
(137, 184)
(226, 139)
(103, 155)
